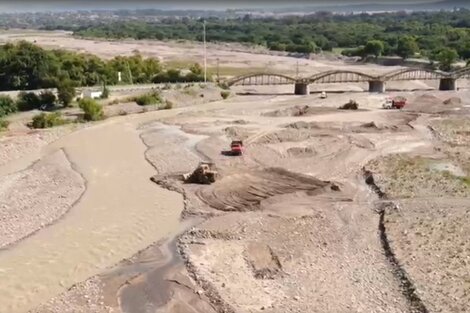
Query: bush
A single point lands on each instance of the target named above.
(46, 120)
(47, 98)
(65, 93)
(28, 101)
(93, 111)
(3, 124)
(148, 99)
(7, 105)
(167, 106)
(225, 94)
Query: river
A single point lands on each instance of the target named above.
(120, 213)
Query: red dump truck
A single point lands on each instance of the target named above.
(394, 103)
(236, 147)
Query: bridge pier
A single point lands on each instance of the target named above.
(301, 89)
(376, 86)
(447, 84)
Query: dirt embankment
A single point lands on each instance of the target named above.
(38, 196)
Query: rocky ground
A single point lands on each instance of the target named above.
(428, 229)
(26, 207)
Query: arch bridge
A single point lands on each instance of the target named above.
(376, 82)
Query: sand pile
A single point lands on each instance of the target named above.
(431, 104)
(246, 191)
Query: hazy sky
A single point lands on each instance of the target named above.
(28, 5)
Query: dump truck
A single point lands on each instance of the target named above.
(205, 173)
(394, 103)
(236, 147)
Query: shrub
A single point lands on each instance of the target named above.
(148, 99)
(3, 124)
(46, 120)
(47, 98)
(7, 105)
(65, 93)
(224, 86)
(28, 101)
(92, 110)
(167, 106)
(225, 94)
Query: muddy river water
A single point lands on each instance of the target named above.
(121, 212)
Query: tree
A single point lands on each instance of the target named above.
(446, 57)
(92, 110)
(374, 47)
(7, 105)
(406, 47)
(65, 92)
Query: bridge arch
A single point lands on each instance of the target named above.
(340, 76)
(263, 78)
(414, 74)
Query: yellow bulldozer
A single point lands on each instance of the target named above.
(205, 173)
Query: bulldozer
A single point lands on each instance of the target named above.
(205, 173)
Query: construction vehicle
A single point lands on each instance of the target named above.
(394, 103)
(236, 147)
(205, 173)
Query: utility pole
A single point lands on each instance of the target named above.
(130, 73)
(205, 55)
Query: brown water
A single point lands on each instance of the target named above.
(120, 213)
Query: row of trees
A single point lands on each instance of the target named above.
(406, 47)
(401, 33)
(26, 66)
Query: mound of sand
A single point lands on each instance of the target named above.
(428, 103)
(245, 191)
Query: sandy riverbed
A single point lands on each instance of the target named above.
(275, 240)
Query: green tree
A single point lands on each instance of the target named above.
(374, 47)
(196, 69)
(406, 47)
(446, 57)
(7, 105)
(92, 110)
(65, 92)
